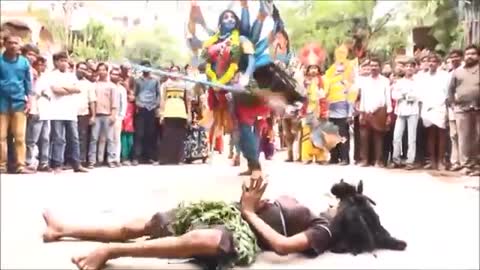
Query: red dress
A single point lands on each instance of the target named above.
(127, 123)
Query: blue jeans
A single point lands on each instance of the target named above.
(38, 140)
(63, 132)
(102, 127)
(249, 145)
(411, 121)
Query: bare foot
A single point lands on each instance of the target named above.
(94, 261)
(54, 229)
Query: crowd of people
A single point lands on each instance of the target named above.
(412, 113)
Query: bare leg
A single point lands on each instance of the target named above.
(195, 243)
(57, 230)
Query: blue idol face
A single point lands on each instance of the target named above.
(228, 22)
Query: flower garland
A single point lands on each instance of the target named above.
(233, 67)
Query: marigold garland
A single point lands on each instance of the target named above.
(233, 67)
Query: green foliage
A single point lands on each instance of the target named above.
(95, 42)
(329, 23)
(154, 45)
(205, 214)
(442, 16)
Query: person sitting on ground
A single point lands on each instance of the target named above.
(283, 226)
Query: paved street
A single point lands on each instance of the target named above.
(438, 217)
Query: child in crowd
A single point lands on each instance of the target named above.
(267, 137)
(128, 130)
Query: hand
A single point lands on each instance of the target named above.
(28, 105)
(350, 120)
(113, 119)
(91, 121)
(251, 195)
(244, 80)
(362, 119)
(160, 121)
(389, 120)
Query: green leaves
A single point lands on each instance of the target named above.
(155, 45)
(205, 214)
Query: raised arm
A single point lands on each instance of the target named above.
(245, 19)
(280, 244)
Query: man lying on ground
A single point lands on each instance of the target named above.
(207, 230)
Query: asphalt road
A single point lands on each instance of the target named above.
(437, 216)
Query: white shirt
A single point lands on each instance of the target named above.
(374, 94)
(122, 98)
(60, 107)
(86, 96)
(406, 94)
(433, 89)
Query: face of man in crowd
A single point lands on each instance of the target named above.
(365, 69)
(409, 70)
(62, 64)
(424, 64)
(115, 75)
(40, 66)
(102, 72)
(433, 64)
(92, 75)
(374, 68)
(455, 60)
(82, 71)
(31, 56)
(12, 45)
(91, 64)
(387, 70)
(471, 57)
(126, 70)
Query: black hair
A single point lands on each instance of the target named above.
(376, 60)
(174, 66)
(145, 63)
(472, 47)
(102, 64)
(59, 56)
(81, 63)
(237, 20)
(186, 67)
(434, 56)
(455, 52)
(285, 34)
(29, 48)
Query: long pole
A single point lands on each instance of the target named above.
(229, 88)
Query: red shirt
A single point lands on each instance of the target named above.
(248, 114)
(127, 124)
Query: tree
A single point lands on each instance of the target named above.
(332, 23)
(443, 18)
(154, 45)
(94, 41)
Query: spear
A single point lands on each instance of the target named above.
(229, 88)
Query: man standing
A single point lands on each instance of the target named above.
(121, 92)
(38, 131)
(375, 108)
(87, 99)
(434, 86)
(15, 86)
(464, 95)
(104, 116)
(340, 112)
(455, 59)
(407, 110)
(62, 112)
(147, 97)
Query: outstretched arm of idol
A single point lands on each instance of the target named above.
(254, 32)
(196, 243)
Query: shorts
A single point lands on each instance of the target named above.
(161, 226)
